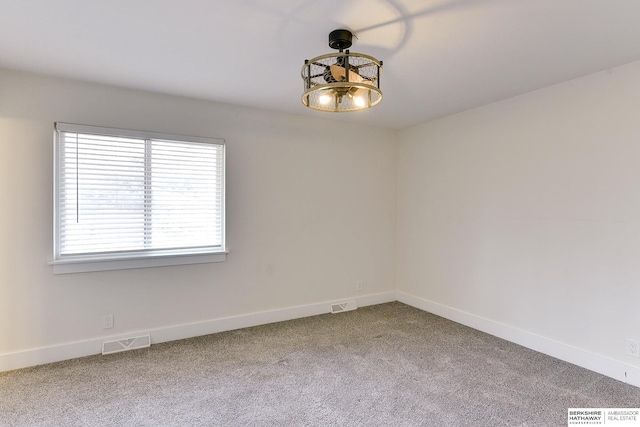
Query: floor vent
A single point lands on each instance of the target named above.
(343, 306)
(126, 344)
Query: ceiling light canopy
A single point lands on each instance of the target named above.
(343, 81)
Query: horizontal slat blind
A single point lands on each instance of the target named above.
(119, 194)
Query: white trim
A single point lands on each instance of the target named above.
(583, 358)
(93, 346)
(594, 362)
(82, 266)
(128, 259)
(100, 130)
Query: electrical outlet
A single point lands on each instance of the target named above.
(633, 348)
(359, 285)
(107, 321)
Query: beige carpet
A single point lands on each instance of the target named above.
(385, 365)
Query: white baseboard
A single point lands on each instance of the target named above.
(594, 362)
(57, 353)
(190, 330)
(585, 359)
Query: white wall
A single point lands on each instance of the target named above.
(310, 208)
(521, 218)
(526, 214)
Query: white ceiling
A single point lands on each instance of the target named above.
(440, 56)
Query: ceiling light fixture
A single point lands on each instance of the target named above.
(342, 81)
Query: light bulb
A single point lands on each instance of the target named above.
(324, 99)
(359, 101)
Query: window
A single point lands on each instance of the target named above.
(128, 199)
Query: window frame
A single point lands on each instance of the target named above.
(130, 259)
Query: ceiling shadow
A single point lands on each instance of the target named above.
(403, 17)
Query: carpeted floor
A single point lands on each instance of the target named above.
(384, 365)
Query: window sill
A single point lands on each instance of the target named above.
(83, 266)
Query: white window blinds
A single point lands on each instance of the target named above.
(126, 193)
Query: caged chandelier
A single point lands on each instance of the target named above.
(342, 81)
